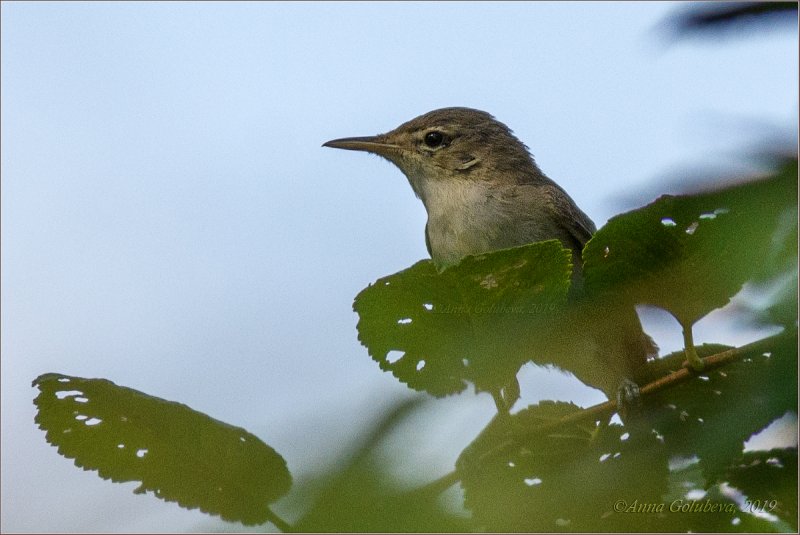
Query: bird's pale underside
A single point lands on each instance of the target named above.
(483, 191)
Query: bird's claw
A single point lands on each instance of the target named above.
(628, 396)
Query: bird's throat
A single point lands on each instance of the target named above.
(465, 217)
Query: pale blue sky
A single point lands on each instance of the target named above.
(171, 223)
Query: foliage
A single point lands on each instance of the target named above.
(445, 326)
(676, 463)
(179, 454)
(722, 16)
(553, 466)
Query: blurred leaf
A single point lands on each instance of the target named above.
(769, 480)
(361, 494)
(783, 308)
(712, 415)
(568, 479)
(686, 511)
(179, 454)
(364, 499)
(690, 254)
(714, 17)
(778, 271)
(437, 331)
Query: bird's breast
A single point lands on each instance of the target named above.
(464, 218)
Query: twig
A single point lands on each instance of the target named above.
(440, 485)
(679, 376)
(603, 410)
(279, 523)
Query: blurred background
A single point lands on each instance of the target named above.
(171, 223)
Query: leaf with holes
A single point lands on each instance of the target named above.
(690, 254)
(473, 322)
(179, 454)
(769, 480)
(529, 482)
(713, 414)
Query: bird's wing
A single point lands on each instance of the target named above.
(428, 241)
(573, 222)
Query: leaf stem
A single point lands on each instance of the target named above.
(279, 523)
(688, 347)
(604, 410)
(437, 486)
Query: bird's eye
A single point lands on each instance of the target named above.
(434, 139)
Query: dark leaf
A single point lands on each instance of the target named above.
(437, 331)
(769, 480)
(179, 454)
(691, 254)
(568, 479)
(720, 16)
(712, 415)
(690, 508)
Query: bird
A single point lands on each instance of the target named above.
(483, 191)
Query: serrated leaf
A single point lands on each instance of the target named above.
(713, 414)
(690, 254)
(438, 331)
(566, 479)
(179, 454)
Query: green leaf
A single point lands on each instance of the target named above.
(179, 454)
(567, 479)
(470, 323)
(362, 492)
(690, 254)
(690, 509)
(712, 415)
(769, 480)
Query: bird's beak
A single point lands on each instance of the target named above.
(374, 144)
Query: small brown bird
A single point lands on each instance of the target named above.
(483, 191)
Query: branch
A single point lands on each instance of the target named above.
(682, 375)
(606, 409)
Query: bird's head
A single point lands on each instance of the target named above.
(450, 144)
